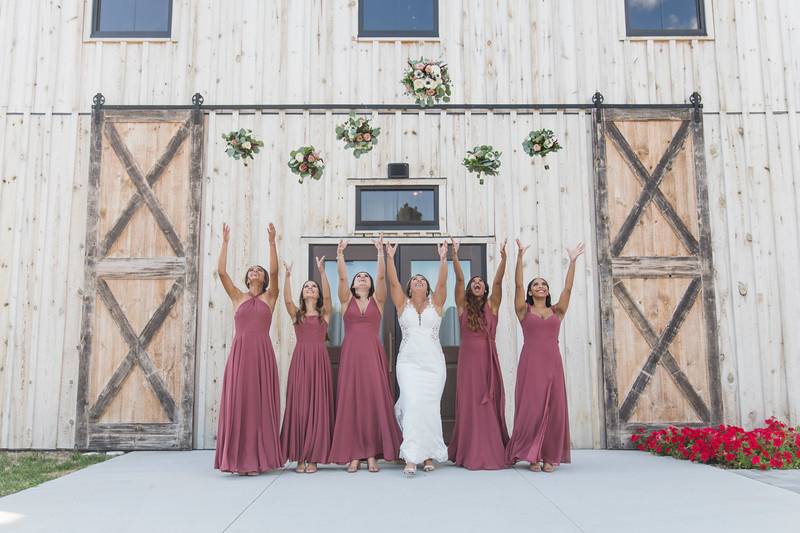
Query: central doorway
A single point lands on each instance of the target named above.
(410, 259)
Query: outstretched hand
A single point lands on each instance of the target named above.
(456, 244)
(288, 267)
(576, 252)
(320, 263)
(226, 233)
(521, 249)
(391, 248)
(503, 251)
(341, 247)
(378, 243)
(271, 232)
(442, 247)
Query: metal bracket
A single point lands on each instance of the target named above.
(597, 100)
(696, 100)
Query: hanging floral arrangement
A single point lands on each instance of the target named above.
(540, 143)
(357, 134)
(306, 162)
(427, 81)
(483, 159)
(241, 145)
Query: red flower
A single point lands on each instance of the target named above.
(756, 459)
(730, 457)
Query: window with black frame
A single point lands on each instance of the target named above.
(665, 17)
(397, 207)
(398, 18)
(132, 18)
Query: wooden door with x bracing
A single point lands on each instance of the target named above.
(136, 377)
(658, 317)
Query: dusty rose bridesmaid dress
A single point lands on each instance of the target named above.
(541, 420)
(480, 434)
(365, 422)
(248, 437)
(308, 418)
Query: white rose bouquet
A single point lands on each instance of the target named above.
(541, 143)
(358, 134)
(306, 162)
(241, 145)
(427, 81)
(483, 159)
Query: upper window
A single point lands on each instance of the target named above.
(664, 17)
(132, 18)
(398, 18)
(400, 207)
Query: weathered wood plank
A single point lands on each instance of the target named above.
(655, 267)
(141, 268)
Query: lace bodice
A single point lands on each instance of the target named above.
(425, 324)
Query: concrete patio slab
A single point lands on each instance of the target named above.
(601, 491)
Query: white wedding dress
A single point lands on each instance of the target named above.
(421, 375)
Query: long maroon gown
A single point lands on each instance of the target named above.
(480, 435)
(541, 419)
(308, 418)
(248, 437)
(365, 422)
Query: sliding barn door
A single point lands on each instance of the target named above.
(136, 381)
(660, 354)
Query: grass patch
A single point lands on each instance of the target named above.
(22, 470)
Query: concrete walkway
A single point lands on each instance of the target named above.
(601, 491)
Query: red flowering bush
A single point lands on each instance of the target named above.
(774, 446)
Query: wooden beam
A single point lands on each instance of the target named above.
(659, 349)
(146, 192)
(641, 173)
(141, 267)
(609, 363)
(655, 267)
(651, 183)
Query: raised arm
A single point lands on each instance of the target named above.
(461, 299)
(380, 278)
(233, 293)
(563, 300)
(291, 308)
(272, 289)
(395, 289)
(341, 269)
(327, 306)
(440, 293)
(497, 285)
(519, 285)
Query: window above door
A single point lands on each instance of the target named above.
(131, 19)
(665, 18)
(398, 18)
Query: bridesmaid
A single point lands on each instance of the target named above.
(541, 420)
(365, 423)
(480, 434)
(308, 418)
(248, 440)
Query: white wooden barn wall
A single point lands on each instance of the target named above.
(748, 75)
(305, 51)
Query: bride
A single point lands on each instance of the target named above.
(420, 364)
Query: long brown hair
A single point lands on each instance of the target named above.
(302, 310)
(476, 305)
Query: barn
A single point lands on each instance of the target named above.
(679, 167)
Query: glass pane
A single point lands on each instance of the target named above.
(336, 327)
(397, 205)
(680, 15)
(116, 15)
(398, 15)
(449, 333)
(152, 15)
(663, 14)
